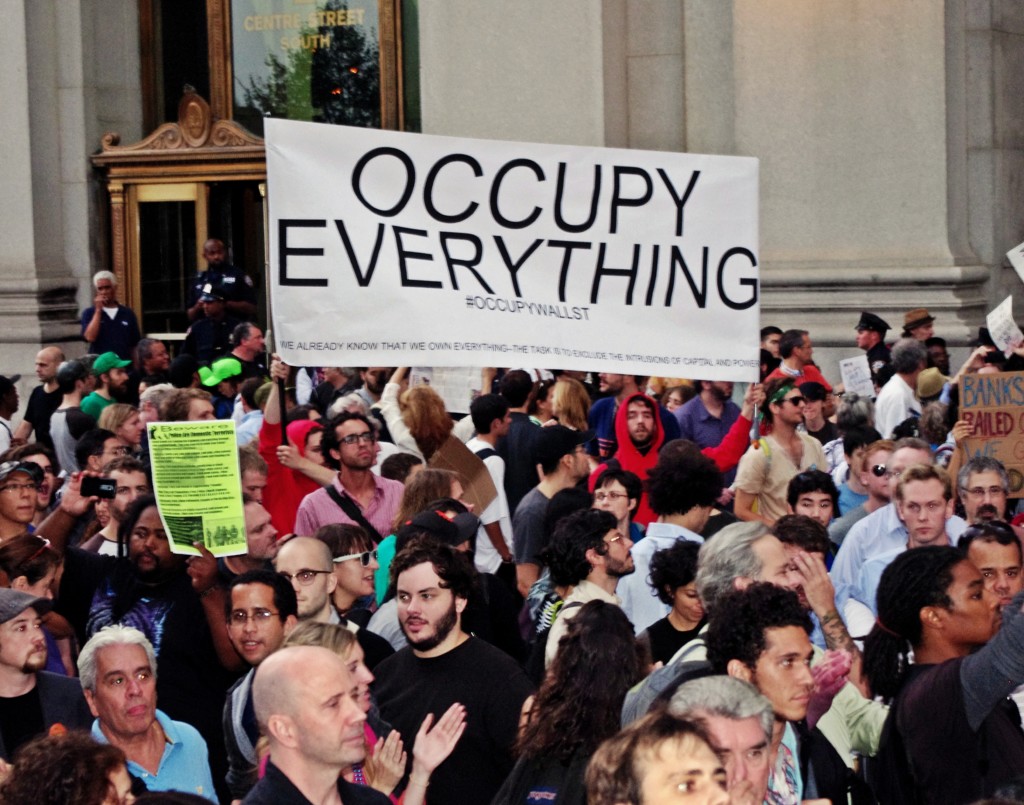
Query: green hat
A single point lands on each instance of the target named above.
(222, 369)
(108, 361)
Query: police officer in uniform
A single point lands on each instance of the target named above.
(210, 336)
(234, 284)
(871, 331)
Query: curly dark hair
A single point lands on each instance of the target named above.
(740, 620)
(673, 568)
(566, 554)
(683, 480)
(803, 532)
(915, 579)
(330, 438)
(578, 705)
(454, 569)
(70, 769)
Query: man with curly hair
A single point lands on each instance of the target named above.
(761, 635)
(682, 489)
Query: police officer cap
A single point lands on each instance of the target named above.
(869, 321)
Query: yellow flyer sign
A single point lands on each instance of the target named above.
(197, 485)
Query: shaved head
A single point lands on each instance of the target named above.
(274, 690)
(312, 551)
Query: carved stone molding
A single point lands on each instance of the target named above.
(197, 136)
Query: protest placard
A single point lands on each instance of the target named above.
(390, 248)
(1016, 258)
(197, 485)
(856, 374)
(993, 407)
(1004, 330)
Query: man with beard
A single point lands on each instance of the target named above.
(111, 383)
(151, 590)
(589, 542)
(358, 495)
(706, 418)
(983, 485)
(442, 665)
(603, 416)
(31, 700)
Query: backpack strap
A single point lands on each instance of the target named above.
(347, 505)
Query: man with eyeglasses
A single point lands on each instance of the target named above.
(883, 531)
(589, 556)
(307, 565)
(618, 491)
(983, 485)
(357, 495)
(19, 482)
(98, 447)
(111, 384)
(767, 467)
(261, 609)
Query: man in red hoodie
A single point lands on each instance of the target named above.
(639, 436)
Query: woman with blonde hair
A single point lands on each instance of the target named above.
(570, 403)
(385, 760)
(124, 422)
(425, 486)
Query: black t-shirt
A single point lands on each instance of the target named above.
(666, 640)
(41, 405)
(21, 719)
(826, 434)
(490, 685)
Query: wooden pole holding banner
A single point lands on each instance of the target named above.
(266, 295)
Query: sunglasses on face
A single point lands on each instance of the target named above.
(364, 558)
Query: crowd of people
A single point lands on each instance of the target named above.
(590, 588)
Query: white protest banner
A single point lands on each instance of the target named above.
(856, 374)
(408, 249)
(1016, 258)
(1004, 330)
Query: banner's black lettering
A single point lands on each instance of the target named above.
(700, 294)
(569, 247)
(404, 254)
(410, 179)
(284, 251)
(601, 270)
(499, 177)
(595, 194)
(680, 202)
(513, 266)
(618, 200)
(362, 278)
(466, 262)
(750, 282)
(428, 189)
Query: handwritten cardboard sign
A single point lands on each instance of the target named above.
(993, 406)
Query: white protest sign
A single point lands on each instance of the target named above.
(1016, 258)
(1004, 330)
(856, 374)
(408, 249)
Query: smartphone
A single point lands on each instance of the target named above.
(100, 487)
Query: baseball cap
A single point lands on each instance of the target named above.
(29, 468)
(14, 602)
(222, 369)
(813, 391)
(557, 441)
(108, 361)
(211, 293)
(450, 530)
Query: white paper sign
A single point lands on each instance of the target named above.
(1016, 258)
(856, 374)
(1004, 330)
(408, 249)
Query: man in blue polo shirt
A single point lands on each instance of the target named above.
(117, 668)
